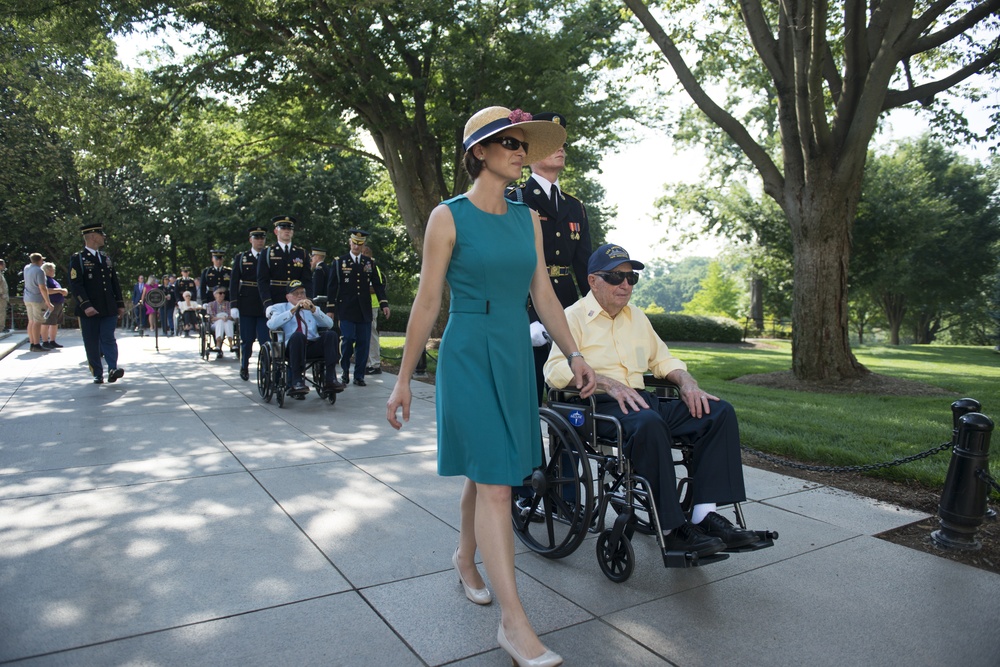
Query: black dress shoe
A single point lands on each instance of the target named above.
(38, 348)
(360, 382)
(716, 525)
(687, 537)
(244, 373)
(298, 389)
(98, 379)
(114, 374)
(345, 378)
(333, 386)
(54, 345)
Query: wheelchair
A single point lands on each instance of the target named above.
(272, 372)
(583, 475)
(206, 333)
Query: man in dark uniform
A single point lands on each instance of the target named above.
(565, 239)
(320, 276)
(184, 284)
(352, 279)
(282, 263)
(213, 276)
(246, 296)
(99, 303)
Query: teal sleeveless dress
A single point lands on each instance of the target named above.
(487, 409)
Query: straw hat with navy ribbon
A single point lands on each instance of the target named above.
(542, 136)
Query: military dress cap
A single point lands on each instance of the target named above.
(218, 253)
(550, 116)
(285, 221)
(92, 228)
(359, 235)
(294, 285)
(542, 136)
(608, 256)
(186, 268)
(318, 251)
(256, 229)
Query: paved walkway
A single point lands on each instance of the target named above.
(173, 518)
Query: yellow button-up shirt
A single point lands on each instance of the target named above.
(622, 348)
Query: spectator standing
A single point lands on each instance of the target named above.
(4, 297)
(36, 300)
(282, 263)
(243, 291)
(138, 313)
(57, 297)
(169, 303)
(99, 302)
(374, 347)
(351, 281)
(148, 310)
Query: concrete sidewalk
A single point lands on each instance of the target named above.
(173, 518)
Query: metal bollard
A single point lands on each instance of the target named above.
(963, 499)
(421, 370)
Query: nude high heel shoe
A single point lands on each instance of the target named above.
(477, 595)
(547, 659)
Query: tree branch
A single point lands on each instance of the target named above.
(773, 180)
(763, 39)
(898, 98)
(950, 31)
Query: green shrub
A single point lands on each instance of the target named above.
(696, 328)
(399, 316)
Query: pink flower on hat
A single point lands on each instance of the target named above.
(518, 116)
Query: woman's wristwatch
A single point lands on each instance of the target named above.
(571, 356)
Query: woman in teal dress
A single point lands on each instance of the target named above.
(490, 251)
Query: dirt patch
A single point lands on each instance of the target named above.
(871, 383)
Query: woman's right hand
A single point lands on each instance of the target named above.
(400, 397)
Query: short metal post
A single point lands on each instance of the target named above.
(421, 369)
(963, 498)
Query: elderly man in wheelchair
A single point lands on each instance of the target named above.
(301, 320)
(621, 346)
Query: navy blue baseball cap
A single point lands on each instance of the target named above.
(608, 256)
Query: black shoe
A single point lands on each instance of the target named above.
(345, 378)
(54, 345)
(298, 389)
(244, 373)
(334, 387)
(687, 537)
(38, 348)
(373, 370)
(718, 526)
(360, 382)
(114, 374)
(524, 508)
(98, 379)
(218, 355)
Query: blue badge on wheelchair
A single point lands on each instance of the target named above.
(576, 418)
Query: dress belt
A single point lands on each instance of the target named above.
(247, 283)
(286, 283)
(480, 306)
(556, 271)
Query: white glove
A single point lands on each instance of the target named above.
(539, 336)
(236, 313)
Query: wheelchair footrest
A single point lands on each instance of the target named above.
(765, 539)
(676, 558)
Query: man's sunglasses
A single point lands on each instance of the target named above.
(616, 277)
(510, 143)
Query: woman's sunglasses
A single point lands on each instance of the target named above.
(616, 277)
(510, 143)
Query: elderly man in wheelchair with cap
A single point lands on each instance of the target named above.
(620, 344)
(301, 321)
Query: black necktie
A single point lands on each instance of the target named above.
(554, 198)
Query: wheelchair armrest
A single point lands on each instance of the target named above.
(277, 336)
(661, 387)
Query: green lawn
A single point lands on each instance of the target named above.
(845, 429)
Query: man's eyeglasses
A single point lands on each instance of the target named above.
(510, 143)
(616, 277)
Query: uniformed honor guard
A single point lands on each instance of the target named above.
(565, 239)
(184, 284)
(320, 276)
(213, 276)
(99, 303)
(352, 279)
(282, 263)
(246, 297)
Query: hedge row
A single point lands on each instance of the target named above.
(686, 328)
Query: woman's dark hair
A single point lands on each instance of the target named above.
(473, 165)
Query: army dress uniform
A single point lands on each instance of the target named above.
(350, 293)
(184, 285)
(320, 281)
(276, 269)
(243, 289)
(212, 277)
(94, 284)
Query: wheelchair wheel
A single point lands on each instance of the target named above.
(280, 393)
(554, 520)
(204, 342)
(616, 560)
(264, 385)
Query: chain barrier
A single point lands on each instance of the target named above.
(856, 468)
(985, 475)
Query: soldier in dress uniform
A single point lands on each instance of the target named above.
(213, 276)
(352, 279)
(184, 284)
(246, 297)
(565, 239)
(320, 276)
(99, 303)
(282, 263)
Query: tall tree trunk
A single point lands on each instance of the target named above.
(894, 306)
(757, 302)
